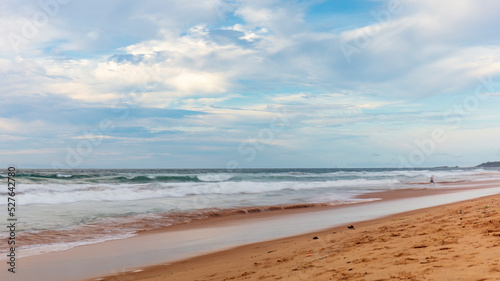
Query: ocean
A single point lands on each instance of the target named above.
(61, 209)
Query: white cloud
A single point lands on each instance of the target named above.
(189, 82)
(11, 137)
(28, 151)
(22, 129)
(184, 55)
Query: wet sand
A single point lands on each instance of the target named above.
(459, 241)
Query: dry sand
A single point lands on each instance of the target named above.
(460, 241)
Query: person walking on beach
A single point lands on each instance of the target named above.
(432, 179)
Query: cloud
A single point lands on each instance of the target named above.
(213, 73)
(27, 151)
(97, 26)
(427, 37)
(273, 43)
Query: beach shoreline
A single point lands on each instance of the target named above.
(72, 208)
(181, 243)
(473, 224)
(261, 212)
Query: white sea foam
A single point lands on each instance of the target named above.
(63, 194)
(214, 177)
(221, 184)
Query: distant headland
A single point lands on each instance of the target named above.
(494, 164)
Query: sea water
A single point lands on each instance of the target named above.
(60, 209)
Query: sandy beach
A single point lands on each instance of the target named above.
(457, 241)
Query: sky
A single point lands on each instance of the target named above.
(249, 84)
